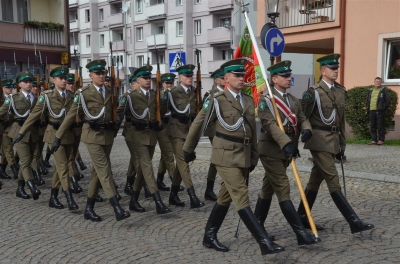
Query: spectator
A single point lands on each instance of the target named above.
(378, 101)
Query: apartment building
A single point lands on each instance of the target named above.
(33, 34)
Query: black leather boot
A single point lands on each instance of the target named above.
(1, 185)
(128, 186)
(209, 194)
(78, 174)
(147, 193)
(89, 213)
(160, 206)
(194, 201)
(99, 199)
(35, 192)
(38, 177)
(21, 191)
(119, 212)
(311, 196)
(173, 196)
(82, 165)
(181, 188)
(70, 200)
(261, 212)
(119, 197)
(214, 222)
(54, 202)
(134, 204)
(160, 183)
(75, 185)
(16, 159)
(356, 225)
(43, 167)
(15, 170)
(258, 232)
(303, 237)
(46, 160)
(3, 174)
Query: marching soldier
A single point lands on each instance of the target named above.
(93, 104)
(234, 153)
(324, 105)
(54, 104)
(182, 102)
(276, 149)
(139, 107)
(219, 84)
(20, 105)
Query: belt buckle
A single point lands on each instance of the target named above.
(246, 141)
(333, 129)
(147, 125)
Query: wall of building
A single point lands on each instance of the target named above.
(40, 10)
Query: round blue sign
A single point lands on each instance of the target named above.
(274, 42)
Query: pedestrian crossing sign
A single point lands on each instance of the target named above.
(176, 59)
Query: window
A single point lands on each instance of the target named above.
(10, 8)
(179, 28)
(116, 8)
(139, 34)
(118, 59)
(392, 72)
(101, 14)
(139, 6)
(179, 2)
(161, 30)
(88, 60)
(87, 41)
(196, 2)
(101, 40)
(162, 58)
(73, 16)
(226, 54)
(140, 61)
(197, 27)
(225, 22)
(160, 1)
(87, 15)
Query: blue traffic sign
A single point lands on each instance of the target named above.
(292, 81)
(176, 59)
(274, 42)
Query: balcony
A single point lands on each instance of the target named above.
(214, 65)
(71, 49)
(217, 5)
(44, 36)
(115, 20)
(160, 40)
(74, 25)
(155, 12)
(118, 45)
(73, 2)
(163, 68)
(218, 35)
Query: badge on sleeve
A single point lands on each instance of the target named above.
(206, 104)
(41, 99)
(7, 101)
(262, 105)
(123, 100)
(76, 98)
(307, 96)
(165, 97)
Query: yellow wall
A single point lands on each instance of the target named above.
(317, 72)
(47, 11)
(57, 11)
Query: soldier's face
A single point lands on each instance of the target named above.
(330, 74)
(26, 85)
(167, 85)
(106, 83)
(60, 82)
(234, 81)
(70, 87)
(144, 82)
(186, 80)
(282, 81)
(220, 81)
(7, 91)
(98, 78)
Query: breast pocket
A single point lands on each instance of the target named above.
(327, 109)
(94, 108)
(230, 117)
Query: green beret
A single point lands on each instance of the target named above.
(24, 75)
(168, 77)
(217, 73)
(186, 70)
(71, 78)
(8, 83)
(281, 68)
(61, 71)
(143, 71)
(331, 60)
(132, 78)
(52, 85)
(235, 66)
(96, 66)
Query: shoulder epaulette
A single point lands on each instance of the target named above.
(172, 88)
(315, 86)
(69, 91)
(340, 86)
(48, 91)
(83, 88)
(218, 94)
(128, 92)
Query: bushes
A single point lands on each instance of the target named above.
(356, 110)
(44, 25)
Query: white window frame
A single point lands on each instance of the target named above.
(101, 14)
(87, 15)
(88, 39)
(227, 54)
(139, 34)
(177, 28)
(16, 14)
(159, 31)
(139, 7)
(161, 58)
(179, 2)
(197, 27)
(140, 61)
(387, 59)
(102, 40)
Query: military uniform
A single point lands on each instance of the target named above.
(324, 106)
(182, 103)
(139, 107)
(234, 153)
(94, 105)
(20, 105)
(54, 104)
(276, 148)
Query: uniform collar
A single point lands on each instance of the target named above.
(328, 84)
(144, 91)
(281, 93)
(220, 89)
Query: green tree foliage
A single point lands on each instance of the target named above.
(356, 110)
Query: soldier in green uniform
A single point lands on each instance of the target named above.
(54, 104)
(219, 84)
(324, 106)
(139, 107)
(182, 103)
(20, 105)
(234, 153)
(93, 104)
(276, 149)
(5, 140)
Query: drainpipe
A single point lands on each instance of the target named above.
(342, 39)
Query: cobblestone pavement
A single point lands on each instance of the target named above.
(31, 232)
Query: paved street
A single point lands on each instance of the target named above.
(31, 232)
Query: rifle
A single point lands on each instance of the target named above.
(77, 79)
(158, 87)
(38, 74)
(198, 79)
(16, 84)
(1, 83)
(112, 85)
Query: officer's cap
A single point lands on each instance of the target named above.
(70, 78)
(8, 83)
(217, 73)
(132, 78)
(61, 71)
(186, 70)
(34, 83)
(168, 77)
(52, 85)
(143, 71)
(330, 61)
(96, 66)
(234, 66)
(25, 75)
(281, 68)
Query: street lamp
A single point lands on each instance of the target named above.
(272, 11)
(226, 22)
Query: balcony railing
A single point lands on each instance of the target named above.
(218, 35)
(118, 45)
(304, 12)
(77, 47)
(73, 25)
(154, 12)
(216, 5)
(160, 39)
(44, 36)
(115, 19)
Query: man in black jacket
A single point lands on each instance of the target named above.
(378, 101)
